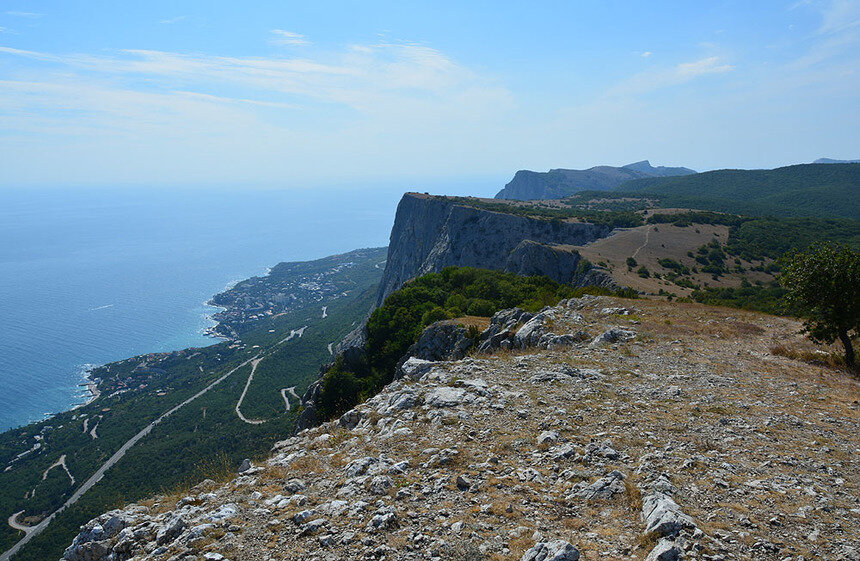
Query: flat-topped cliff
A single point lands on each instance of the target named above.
(431, 233)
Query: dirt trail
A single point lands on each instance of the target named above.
(645, 243)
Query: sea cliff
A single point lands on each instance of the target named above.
(431, 233)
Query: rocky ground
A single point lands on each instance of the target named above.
(669, 432)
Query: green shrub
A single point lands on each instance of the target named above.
(669, 263)
(340, 392)
(438, 313)
(480, 307)
(769, 299)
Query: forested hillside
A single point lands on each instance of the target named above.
(825, 190)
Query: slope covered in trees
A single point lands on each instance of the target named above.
(825, 190)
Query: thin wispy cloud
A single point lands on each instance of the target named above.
(366, 99)
(837, 36)
(710, 65)
(30, 54)
(839, 16)
(292, 103)
(141, 93)
(171, 21)
(287, 38)
(24, 14)
(666, 77)
(357, 76)
(233, 100)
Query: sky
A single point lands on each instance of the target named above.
(298, 94)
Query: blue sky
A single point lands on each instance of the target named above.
(295, 94)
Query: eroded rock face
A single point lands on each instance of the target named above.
(614, 335)
(431, 233)
(530, 333)
(517, 329)
(666, 550)
(531, 258)
(93, 543)
(503, 327)
(605, 487)
(441, 341)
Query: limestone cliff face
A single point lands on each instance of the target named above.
(417, 225)
(533, 258)
(431, 233)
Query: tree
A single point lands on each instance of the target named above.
(824, 283)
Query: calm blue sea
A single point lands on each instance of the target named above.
(92, 276)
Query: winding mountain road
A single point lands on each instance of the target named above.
(13, 521)
(33, 531)
(59, 463)
(293, 333)
(254, 364)
(292, 391)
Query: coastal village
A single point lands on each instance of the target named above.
(285, 288)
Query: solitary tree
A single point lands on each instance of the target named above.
(824, 283)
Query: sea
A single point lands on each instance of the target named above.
(93, 275)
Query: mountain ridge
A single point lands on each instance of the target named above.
(559, 183)
(827, 190)
(832, 161)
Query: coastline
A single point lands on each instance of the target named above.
(218, 330)
(215, 330)
(90, 384)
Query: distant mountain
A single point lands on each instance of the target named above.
(829, 161)
(560, 183)
(824, 190)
